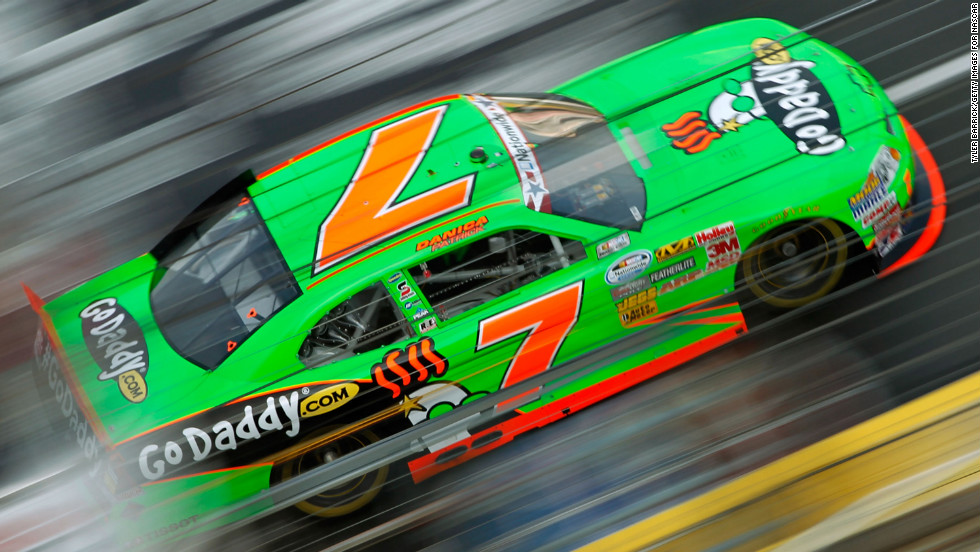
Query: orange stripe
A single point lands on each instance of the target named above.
(363, 127)
(405, 239)
(662, 316)
(424, 467)
(723, 319)
(938, 215)
(178, 478)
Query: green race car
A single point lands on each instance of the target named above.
(473, 245)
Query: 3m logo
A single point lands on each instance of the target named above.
(673, 249)
(723, 247)
(367, 213)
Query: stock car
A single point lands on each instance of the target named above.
(472, 243)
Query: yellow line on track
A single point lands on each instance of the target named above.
(860, 478)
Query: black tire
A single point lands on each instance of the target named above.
(347, 497)
(797, 263)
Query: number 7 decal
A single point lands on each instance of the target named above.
(367, 213)
(546, 320)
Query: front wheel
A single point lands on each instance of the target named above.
(347, 497)
(797, 263)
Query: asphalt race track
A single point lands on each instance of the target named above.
(109, 137)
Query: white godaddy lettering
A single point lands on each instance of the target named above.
(198, 443)
(78, 427)
(802, 117)
(119, 356)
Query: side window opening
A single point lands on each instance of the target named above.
(485, 269)
(366, 321)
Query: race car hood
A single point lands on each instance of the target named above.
(99, 341)
(714, 107)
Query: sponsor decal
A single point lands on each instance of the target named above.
(116, 343)
(328, 399)
(79, 431)
(629, 288)
(723, 247)
(874, 199)
(421, 405)
(420, 312)
(888, 226)
(721, 244)
(720, 262)
(604, 249)
(781, 89)
(786, 214)
(674, 249)
(280, 413)
(714, 233)
(427, 324)
(672, 270)
(536, 195)
(409, 305)
(671, 285)
(453, 235)
(405, 290)
(628, 267)
(636, 308)
(401, 368)
(395, 277)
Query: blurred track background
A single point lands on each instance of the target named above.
(117, 117)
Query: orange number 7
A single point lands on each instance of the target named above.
(547, 321)
(366, 213)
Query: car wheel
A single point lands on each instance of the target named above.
(796, 263)
(347, 497)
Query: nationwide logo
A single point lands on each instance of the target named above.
(628, 267)
(454, 235)
(116, 343)
(780, 88)
(536, 195)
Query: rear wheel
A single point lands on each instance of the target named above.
(796, 263)
(347, 497)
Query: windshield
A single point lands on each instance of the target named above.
(586, 174)
(220, 283)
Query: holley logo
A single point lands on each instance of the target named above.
(782, 89)
(116, 343)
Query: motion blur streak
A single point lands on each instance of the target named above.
(118, 117)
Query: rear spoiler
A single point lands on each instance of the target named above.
(36, 302)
